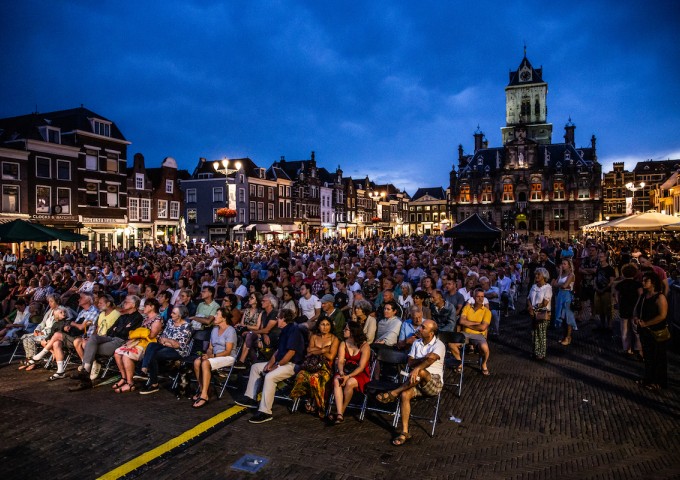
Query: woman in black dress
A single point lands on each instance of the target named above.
(650, 318)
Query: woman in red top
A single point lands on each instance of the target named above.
(353, 369)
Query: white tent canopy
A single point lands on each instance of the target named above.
(640, 222)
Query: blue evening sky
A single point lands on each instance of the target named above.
(384, 88)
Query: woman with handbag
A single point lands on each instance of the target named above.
(650, 317)
(315, 371)
(353, 369)
(538, 304)
(132, 350)
(563, 313)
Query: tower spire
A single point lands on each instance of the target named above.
(525, 49)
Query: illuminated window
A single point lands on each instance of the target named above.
(508, 192)
(536, 191)
(465, 194)
(486, 193)
(558, 191)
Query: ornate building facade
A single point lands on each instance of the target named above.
(530, 184)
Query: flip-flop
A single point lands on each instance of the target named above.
(200, 399)
(404, 436)
(385, 397)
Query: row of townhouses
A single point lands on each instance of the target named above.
(70, 169)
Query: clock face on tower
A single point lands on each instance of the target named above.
(525, 75)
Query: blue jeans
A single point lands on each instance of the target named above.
(155, 352)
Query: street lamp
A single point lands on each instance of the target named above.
(223, 167)
(631, 186)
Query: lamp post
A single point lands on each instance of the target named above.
(223, 167)
(376, 196)
(631, 186)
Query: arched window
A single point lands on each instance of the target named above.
(537, 108)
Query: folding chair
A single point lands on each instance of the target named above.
(228, 370)
(388, 360)
(373, 361)
(16, 353)
(420, 400)
(283, 390)
(455, 337)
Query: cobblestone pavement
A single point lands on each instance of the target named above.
(577, 415)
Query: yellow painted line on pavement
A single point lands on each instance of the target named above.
(147, 457)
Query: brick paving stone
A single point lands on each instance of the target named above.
(578, 415)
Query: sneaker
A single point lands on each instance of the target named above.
(140, 377)
(260, 417)
(246, 402)
(239, 366)
(5, 343)
(147, 389)
(96, 368)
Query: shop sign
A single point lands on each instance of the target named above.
(102, 220)
(63, 218)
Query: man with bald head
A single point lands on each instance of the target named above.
(426, 364)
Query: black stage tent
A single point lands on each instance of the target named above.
(474, 233)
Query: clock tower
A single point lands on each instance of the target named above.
(525, 104)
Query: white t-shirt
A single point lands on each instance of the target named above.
(436, 346)
(309, 306)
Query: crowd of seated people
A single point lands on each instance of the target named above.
(308, 312)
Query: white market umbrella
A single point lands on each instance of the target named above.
(642, 222)
(591, 226)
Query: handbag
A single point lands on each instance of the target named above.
(350, 367)
(661, 335)
(313, 363)
(542, 315)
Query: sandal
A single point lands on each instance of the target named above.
(401, 439)
(653, 387)
(459, 368)
(119, 384)
(309, 407)
(27, 363)
(385, 397)
(130, 388)
(197, 403)
(338, 419)
(485, 372)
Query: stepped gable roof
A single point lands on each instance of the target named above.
(525, 64)
(27, 126)
(437, 193)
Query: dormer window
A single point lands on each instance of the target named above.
(51, 134)
(101, 127)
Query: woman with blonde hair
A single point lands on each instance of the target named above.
(563, 313)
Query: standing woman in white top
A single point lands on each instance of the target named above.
(565, 294)
(538, 304)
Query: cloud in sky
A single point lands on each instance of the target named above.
(384, 88)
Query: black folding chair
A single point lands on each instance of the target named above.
(389, 361)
